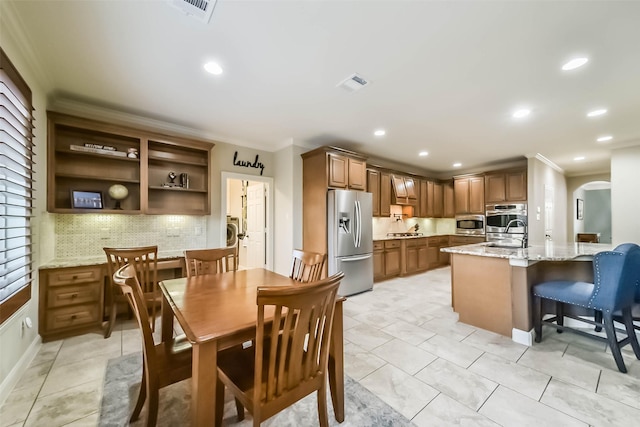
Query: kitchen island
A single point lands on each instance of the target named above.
(491, 286)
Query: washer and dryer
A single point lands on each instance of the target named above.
(233, 223)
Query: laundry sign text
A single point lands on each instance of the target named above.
(256, 164)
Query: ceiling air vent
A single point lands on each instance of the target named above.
(200, 9)
(353, 83)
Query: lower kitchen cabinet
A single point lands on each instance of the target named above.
(71, 301)
(378, 260)
(386, 259)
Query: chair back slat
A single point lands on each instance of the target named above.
(307, 266)
(126, 278)
(298, 336)
(210, 261)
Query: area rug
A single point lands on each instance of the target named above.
(122, 382)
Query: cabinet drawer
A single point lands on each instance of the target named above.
(378, 246)
(74, 276)
(68, 295)
(76, 315)
(389, 244)
(412, 243)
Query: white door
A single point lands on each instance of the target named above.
(255, 225)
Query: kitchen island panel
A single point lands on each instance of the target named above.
(481, 292)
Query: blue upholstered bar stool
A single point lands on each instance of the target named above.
(616, 276)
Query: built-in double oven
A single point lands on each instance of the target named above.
(506, 222)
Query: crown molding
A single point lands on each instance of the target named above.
(546, 161)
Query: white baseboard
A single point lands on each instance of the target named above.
(19, 369)
(522, 337)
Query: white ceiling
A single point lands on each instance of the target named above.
(446, 75)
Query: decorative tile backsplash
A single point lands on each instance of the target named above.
(86, 235)
(384, 225)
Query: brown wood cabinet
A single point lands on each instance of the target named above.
(322, 169)
(469, 195)
(415, 255)
(88, 155)
(378, 260)
(392, 258)
(448, 200)
(71, 301)
(385, 194)
(346, 172)
(373, 187)
(438, 200)
(506, 186)
(405, 190)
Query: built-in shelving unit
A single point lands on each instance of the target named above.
(89, 155)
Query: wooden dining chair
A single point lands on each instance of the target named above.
(210, 261)
(307, 266)
(162, 364)
(145, 261)
(289, 358)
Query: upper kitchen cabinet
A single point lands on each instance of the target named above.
(347, 172)
(373, 187)
(322, 169)
(448, 204)
(385, 194)
(506, 186)
(469, 194)
(405, 190)
(86, 158)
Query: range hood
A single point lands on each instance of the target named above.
(404, 191)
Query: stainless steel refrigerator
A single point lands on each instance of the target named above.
(350, 239)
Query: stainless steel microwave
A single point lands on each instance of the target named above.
(470, 224)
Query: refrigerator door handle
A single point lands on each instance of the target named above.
(360, 258)
(358, 224)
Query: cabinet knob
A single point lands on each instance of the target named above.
(73, 317)
(74, 277)
(74, 295)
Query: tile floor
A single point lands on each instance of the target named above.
(402, 342)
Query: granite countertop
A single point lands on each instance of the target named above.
(97, 260)
(548, 252)
(385, 237)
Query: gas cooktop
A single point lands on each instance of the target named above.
(405, 234)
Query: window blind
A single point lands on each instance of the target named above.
(16, 189)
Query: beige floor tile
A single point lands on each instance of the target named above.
(47, 353)
(358, 363)
(496, 344)
(509, 408)
(449, 327)
(17, 405)
(454, 351)
(349, 322)
(88, 421)
(34, 376)
(401, 391)
(378, 319)
(592, 408)
(74, 374)
(367, 336)
(566, 368)
(95, 345)
(59, 409)
(408, 332)
(526, 381)
(467, 388)
(444, 411)
(405, 356)
(620, 387)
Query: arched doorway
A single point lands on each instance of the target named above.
(592, 210)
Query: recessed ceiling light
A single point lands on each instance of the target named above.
(519, 114)
(457, 165)
(575, 63)
(605, 138)
(213, 68)
(579, 158)
(380, 132)
(423, 153)
(596, 113)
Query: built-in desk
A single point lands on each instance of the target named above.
(491, 287)
(72, 296)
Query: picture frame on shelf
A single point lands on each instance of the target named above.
(580, 209)
(81, 199)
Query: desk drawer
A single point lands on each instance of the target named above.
(77, 315)
(78, 294)
(72, 276)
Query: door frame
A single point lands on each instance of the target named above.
(268, 181)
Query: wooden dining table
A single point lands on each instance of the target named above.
(217, 311)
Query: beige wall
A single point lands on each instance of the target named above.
(542, 175)
(625, 196)
(16, 349)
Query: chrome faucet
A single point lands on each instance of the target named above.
(516, 222)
